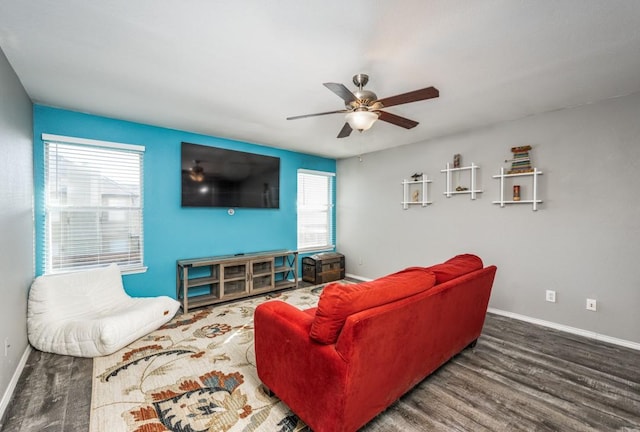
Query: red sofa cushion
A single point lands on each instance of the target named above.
(338, 301)
(455, 267)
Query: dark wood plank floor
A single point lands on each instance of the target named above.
(53, 394)
(523, 377)
(520, 377)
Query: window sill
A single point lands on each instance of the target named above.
(328, 248)
(133, 270)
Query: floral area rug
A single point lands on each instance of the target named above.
(196, 373)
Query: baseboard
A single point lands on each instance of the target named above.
(352, 276)
(561, 327)
(6, 397)
(568, 329)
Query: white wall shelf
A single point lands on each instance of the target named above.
(418, 187)
(534, 201)
(472, 185)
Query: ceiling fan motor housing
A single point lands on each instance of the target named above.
(363, 99)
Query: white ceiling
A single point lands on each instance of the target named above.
(237, 69)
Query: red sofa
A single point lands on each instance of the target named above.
(339, 365)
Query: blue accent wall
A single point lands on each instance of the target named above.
(170, 231)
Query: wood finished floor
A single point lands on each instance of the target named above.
(519, 377)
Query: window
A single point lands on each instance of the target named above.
(93, 204)
(315, 210)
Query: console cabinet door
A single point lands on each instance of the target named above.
(234, 279)
(262, 275)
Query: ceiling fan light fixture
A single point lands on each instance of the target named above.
(361, 120)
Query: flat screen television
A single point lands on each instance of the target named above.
(217, 177)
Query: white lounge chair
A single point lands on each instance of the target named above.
(88, 313)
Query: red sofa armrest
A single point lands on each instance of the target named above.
(295, 367)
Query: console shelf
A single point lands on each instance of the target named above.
(206, 281)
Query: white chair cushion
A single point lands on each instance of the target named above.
(88, 313)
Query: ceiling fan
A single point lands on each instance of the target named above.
(363, 108)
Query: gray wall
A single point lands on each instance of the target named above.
(583, 242)
(16, 218)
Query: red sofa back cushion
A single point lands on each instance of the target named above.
(338, 301)
(455, 267)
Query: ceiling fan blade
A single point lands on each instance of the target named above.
(317, 114)
(413, 96)
(397, 120)
(345, 131)
(341, 91)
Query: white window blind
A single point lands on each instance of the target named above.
(315, 205)
(93, 204)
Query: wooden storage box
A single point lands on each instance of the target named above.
(323, 267)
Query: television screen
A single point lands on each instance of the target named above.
(217, 177)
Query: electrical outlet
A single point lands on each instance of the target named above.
(551, 296)
(591, 305)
